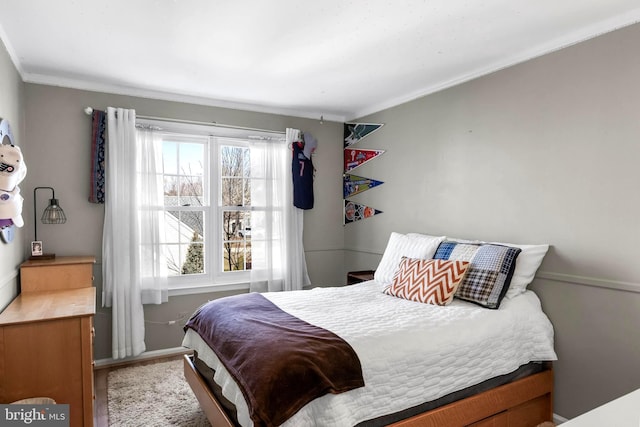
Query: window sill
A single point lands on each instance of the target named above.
(203, 289)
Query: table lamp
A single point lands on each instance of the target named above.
(53, 214)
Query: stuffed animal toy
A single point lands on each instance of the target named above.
(11, 206)
(12, 172)
(12, 167)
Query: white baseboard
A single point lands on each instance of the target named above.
(557, 419)
(155, 354)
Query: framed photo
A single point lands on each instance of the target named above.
(36, 248)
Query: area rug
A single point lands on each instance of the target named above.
(152, 395)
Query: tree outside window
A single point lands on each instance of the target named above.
(236, 202)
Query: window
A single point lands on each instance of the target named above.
(186, 202)
(235, 195)
(207, 204)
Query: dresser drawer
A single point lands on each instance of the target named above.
(57, 273)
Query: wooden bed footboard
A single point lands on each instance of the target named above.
(522, 403)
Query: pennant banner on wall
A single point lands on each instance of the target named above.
(354, 132)
(355, 212)
(353, 184)
(357, 157)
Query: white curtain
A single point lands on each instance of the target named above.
(278, 261)
(133, 269)
(154, 281)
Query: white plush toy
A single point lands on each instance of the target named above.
(12, 172)
(12, 167)
(11, 206)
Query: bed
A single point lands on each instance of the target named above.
(423, 364)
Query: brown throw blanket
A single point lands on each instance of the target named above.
(280, 362)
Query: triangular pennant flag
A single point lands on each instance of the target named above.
(357, 157)
(353, 184)
(355, 212)
(355, 132)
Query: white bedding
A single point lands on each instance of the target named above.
(410, 352)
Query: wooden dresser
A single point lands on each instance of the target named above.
(46, 336)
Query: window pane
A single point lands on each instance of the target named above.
(194, 259)
(246, 163)
(191, 159)
(170, 157)
(257, 193)
(172, 253)
(170, 189)
(233, 191)
(183, 255)
(191, 191)
(236, 238)
(247, 256)
(246, 192)
(184, 231)
(236, 225)
(192, 223)
(172, 227)
(232, 161)
(234, 256)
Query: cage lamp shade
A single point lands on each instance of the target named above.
(53, 214)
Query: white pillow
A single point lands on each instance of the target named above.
(412, 245)
(527, 264)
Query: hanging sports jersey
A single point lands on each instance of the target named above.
(302, 171)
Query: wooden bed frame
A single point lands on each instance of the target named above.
(522, 403)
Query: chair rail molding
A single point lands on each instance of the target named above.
(590, 281)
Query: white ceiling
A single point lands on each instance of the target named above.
(340, 59)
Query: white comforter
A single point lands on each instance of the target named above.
(410, 352)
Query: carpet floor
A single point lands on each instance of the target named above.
(152, 395)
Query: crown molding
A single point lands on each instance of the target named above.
(586, 33)
(72, 83)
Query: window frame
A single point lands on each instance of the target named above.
(214, 279)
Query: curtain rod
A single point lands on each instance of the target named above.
(89, 110)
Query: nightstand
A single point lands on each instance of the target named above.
(359, 276)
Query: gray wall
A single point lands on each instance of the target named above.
(58, 134)
(11, 106)
(543, 152)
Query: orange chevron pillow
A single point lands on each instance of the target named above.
(431, 281)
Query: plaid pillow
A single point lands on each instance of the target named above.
(490, 270)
